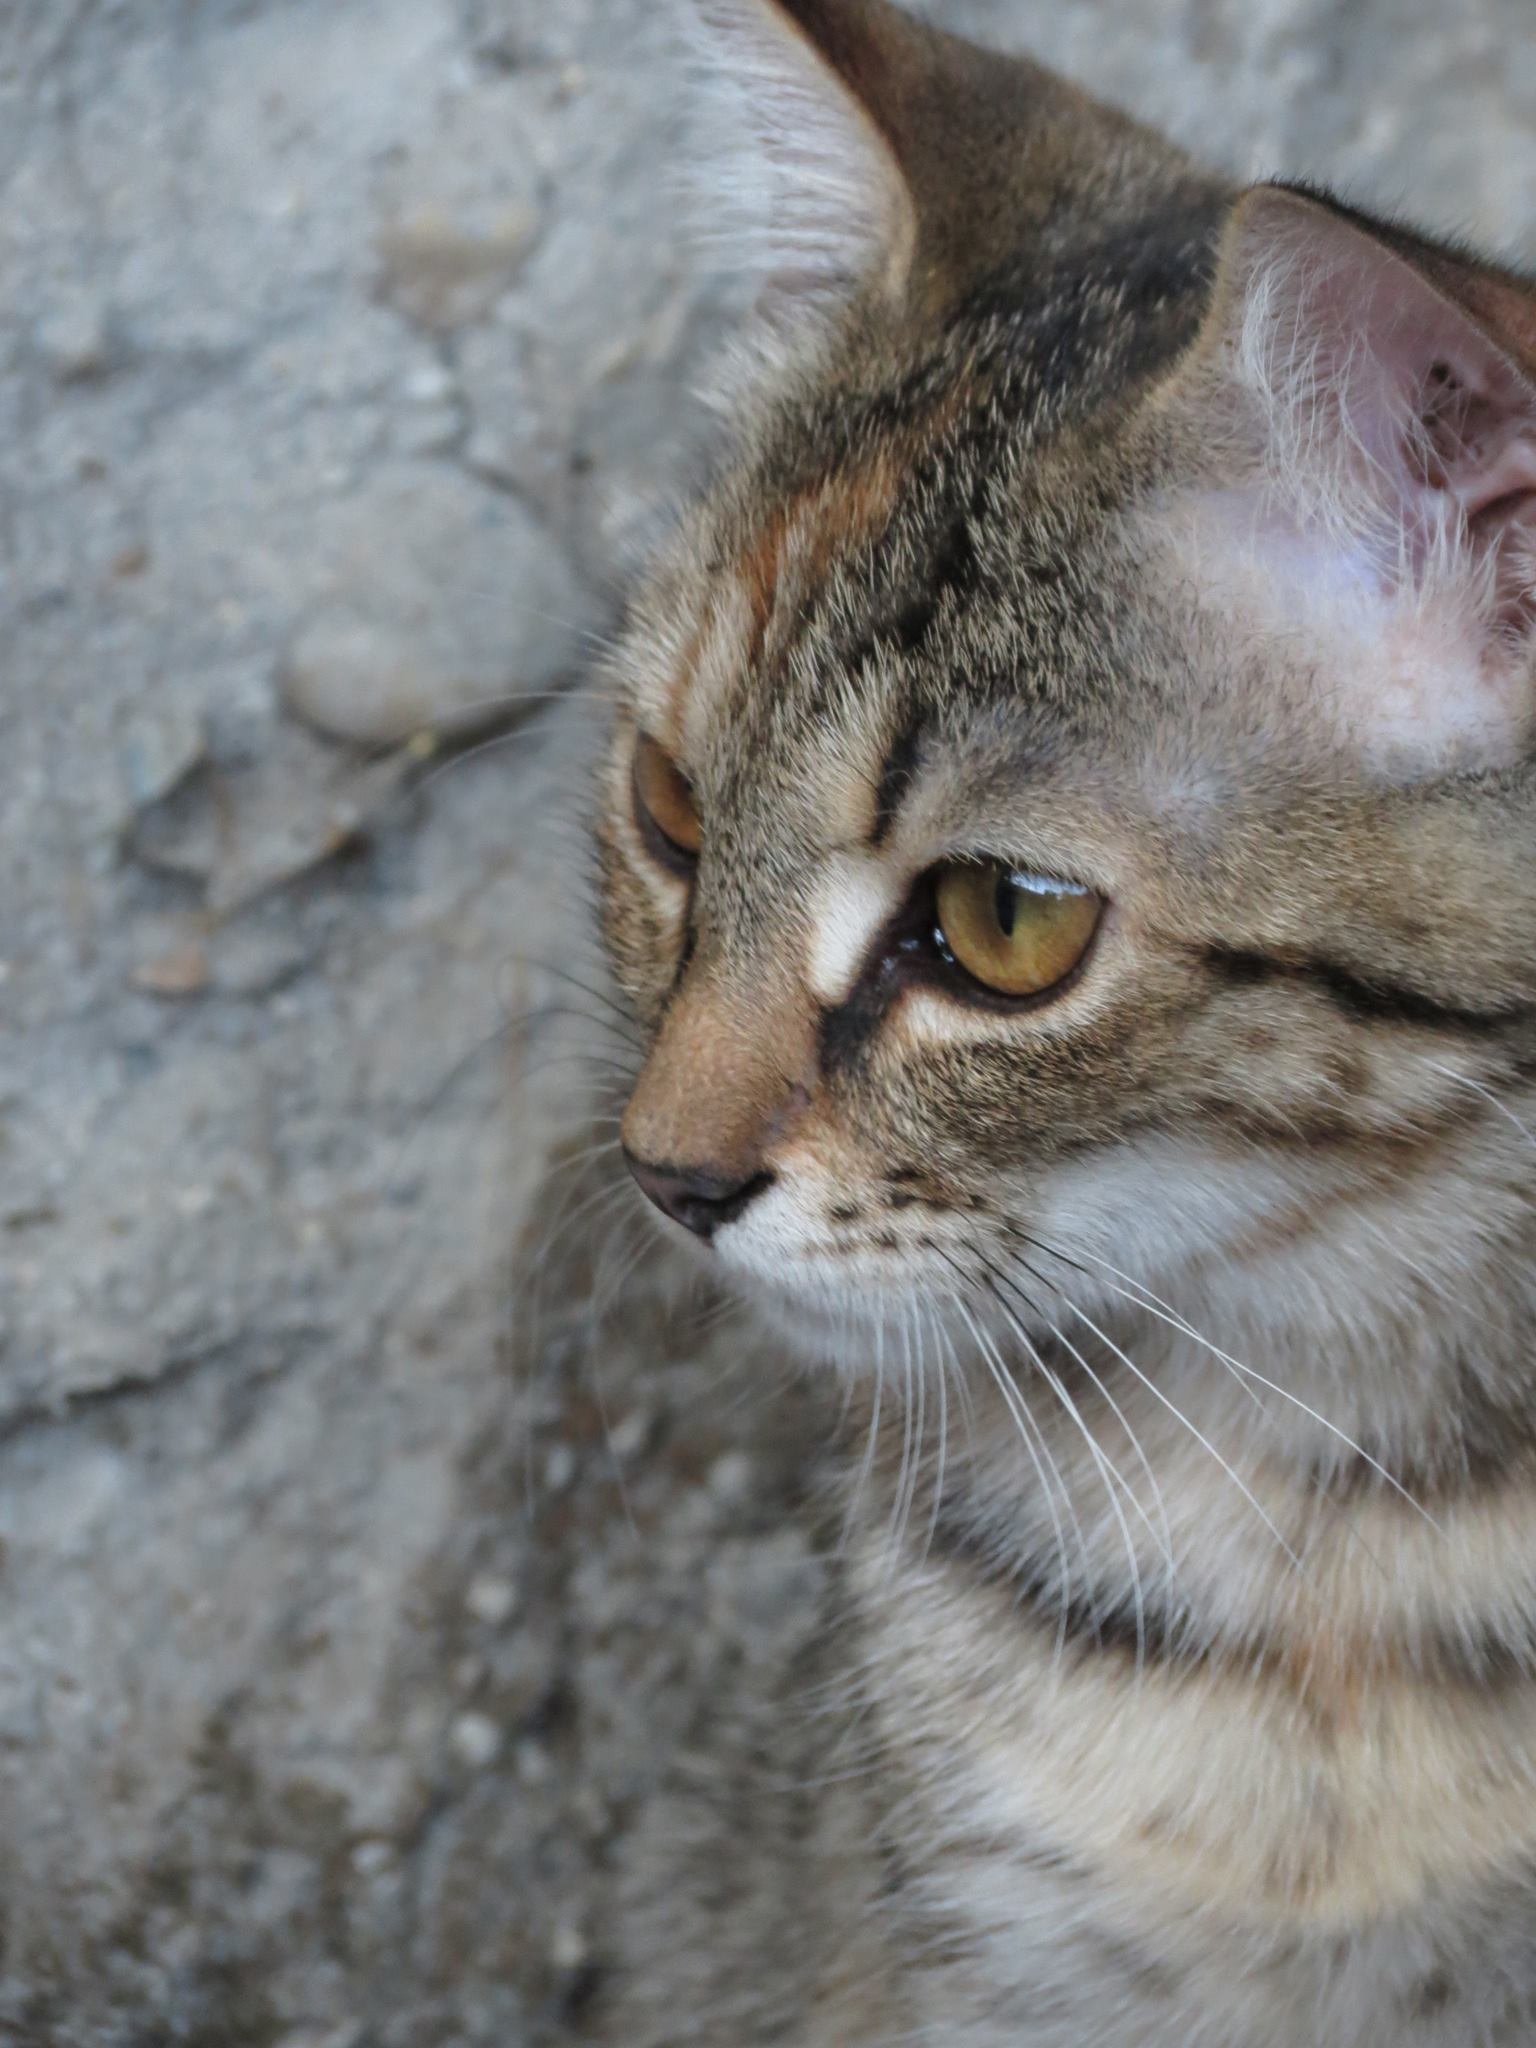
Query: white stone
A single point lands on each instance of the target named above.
(431, 384)
(76, 342)
(475, 1740)
(439, 604)
(568, 1948)
(559, 1468)
(629, 1436)
(730, 1477)
(533, 1763)
(491, 1600)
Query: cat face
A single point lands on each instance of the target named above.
(1067, 818)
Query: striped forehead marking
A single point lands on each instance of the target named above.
(787, 556)
(855, 895)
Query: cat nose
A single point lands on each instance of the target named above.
(701, 1198)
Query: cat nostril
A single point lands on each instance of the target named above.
(701, 1198)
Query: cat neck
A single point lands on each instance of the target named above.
(1141, 1489)
(1154, 1607)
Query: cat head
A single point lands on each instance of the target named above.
(1069, 819)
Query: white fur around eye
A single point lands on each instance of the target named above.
(855, 897)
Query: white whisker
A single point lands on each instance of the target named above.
(1155, 1306)
(1183, 1420)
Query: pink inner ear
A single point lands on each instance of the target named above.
(1375, 411)
(1478, 419)
(1444, 420)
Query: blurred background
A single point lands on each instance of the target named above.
(353, 1599)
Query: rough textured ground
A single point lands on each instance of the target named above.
(345, 1615)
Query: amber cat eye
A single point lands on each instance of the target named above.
(665, 807)
(1017, 934)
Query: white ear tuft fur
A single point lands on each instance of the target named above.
(1396, 510)
(801, 187)
(1390, 414)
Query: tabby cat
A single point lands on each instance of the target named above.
(1067, 848)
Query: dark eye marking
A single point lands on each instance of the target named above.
(913, 949)
(896, 777)
(1371, 999)
(842, 1031)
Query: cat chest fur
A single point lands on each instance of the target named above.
(1093, 1841)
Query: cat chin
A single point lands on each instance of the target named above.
(824, 1326)
(848, 1330)
(818, 1334)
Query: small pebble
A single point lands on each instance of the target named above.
(160, 753)
(730, 1477)
(444, 605)
(491, 1600)
(559, 1468)
(431, 384)
(568, 1948)
(441, 273)
(183, 971)
(629, 1437)
(431, 431)
(475, 1740)
(487, 454)
(372, 1856)
(533, 1764)
(76, 343)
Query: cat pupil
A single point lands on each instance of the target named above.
(1006, 904)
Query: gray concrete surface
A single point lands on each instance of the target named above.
(350, 1598)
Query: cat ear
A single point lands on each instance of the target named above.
(1388, 387)
(873, 155)
(818, 200)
